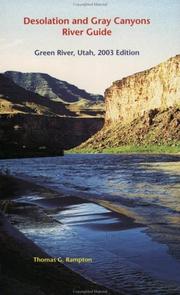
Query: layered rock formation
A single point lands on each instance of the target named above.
(30, 135)
(131, 97)
(15, 99)
(34, 125)
(78, 101)
(142, 109)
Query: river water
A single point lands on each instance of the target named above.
(140, 260)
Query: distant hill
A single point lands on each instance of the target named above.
(80, 102)
(34, 125)
(15, 99)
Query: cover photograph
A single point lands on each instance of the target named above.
(89, 147)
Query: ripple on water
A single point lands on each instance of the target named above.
(147, 185)
(127, 259)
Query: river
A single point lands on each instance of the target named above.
(141, 260)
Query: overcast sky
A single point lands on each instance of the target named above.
(156, 42)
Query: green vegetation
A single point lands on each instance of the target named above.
(156, 149)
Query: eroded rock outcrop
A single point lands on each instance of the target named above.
(34, 125)
(156, 88)
(142, 109)
(23, 135)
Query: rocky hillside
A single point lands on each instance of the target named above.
(80, 102)
(142, 109)
(34, 125)
(155, 127)
(15, 99)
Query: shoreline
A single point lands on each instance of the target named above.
(19, 272)
(27, 181)
(129, 149)
(35, 206)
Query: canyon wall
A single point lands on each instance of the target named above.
(142, 109)
(34, 135)
(132, 97)
(32, 124)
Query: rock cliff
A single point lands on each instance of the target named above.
(34, 125)
(23, 135)
(156, 88)
(142, 109)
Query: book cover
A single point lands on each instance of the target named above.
(89, 147)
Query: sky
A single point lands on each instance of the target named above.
(156, 42)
